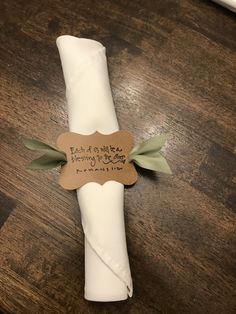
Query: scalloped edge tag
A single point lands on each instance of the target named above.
(96, 158)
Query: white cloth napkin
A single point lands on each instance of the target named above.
(90, 109)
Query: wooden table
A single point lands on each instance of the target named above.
(172, 67)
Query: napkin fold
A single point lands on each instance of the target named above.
(91, 109)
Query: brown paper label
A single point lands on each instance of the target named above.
(96, 158)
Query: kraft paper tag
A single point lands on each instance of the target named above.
(96, 158)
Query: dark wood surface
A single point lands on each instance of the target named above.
(173, 69)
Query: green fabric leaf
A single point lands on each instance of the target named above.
(33, 144)
(52, 157)
(37, 145)
(55, 155)
(147, 154)
(152, 162)
(44, 162)
(153, 144)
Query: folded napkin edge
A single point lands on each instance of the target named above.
(123, 274)
(73, 38)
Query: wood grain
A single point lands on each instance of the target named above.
(172, 68)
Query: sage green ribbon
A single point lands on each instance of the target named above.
(146, 155)
(51, 158)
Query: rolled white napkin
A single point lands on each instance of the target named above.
(90, 109)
